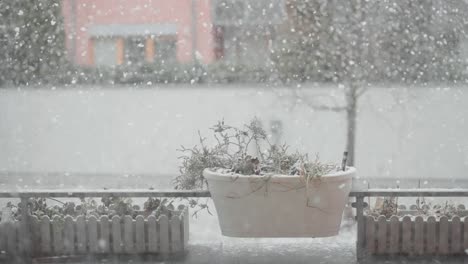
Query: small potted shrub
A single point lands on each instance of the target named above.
(262, 190)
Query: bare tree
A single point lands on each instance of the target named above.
(327, 42)
(347, 43)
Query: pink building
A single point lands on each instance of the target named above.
(125, 32)
(114, 32)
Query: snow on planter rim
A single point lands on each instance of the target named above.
(223, 175)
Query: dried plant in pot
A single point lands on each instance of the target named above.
(261, 190)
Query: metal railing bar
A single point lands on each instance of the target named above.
(103, 193)
(411, 193)
(205, 193)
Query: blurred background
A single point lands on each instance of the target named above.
(103, 93)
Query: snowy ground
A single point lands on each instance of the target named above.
(335, 250)
(415, 132)
(236, 251)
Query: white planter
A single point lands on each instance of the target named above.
(280, 205)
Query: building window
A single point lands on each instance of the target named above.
(105, 50)
(135, 50)
(165, 50)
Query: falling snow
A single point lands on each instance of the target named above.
(101, 94)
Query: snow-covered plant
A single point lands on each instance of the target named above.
(448, 209)
(389, 207)
(109, 206)
(243, 150)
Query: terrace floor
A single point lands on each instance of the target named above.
(339, 249)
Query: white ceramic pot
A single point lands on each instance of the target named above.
(279, 205)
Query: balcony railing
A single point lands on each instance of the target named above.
(359, 204)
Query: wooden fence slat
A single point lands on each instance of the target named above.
(46, 240)
(57, 231)
(186, 231)
(81, 242)
(406, 243)
(140, 241)
(3, 237)
(419, 235)
(12, 237)
(443, 235)
(69, 236)
(176, 235)
(381, 235)
(465, 233)
(370, 234)
(394, 235)
(35, 236)
(163, 234)
(93, 243)
(182, 231)
(21, 233)
(128, 234)
(116, 235)
(152, 234)
(104, 238)
(431, 235)
(455, 245)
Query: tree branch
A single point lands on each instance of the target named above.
(319, 107)
(327, 107)
(361, 91)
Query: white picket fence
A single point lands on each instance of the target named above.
(416, 236)
(120, 235)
